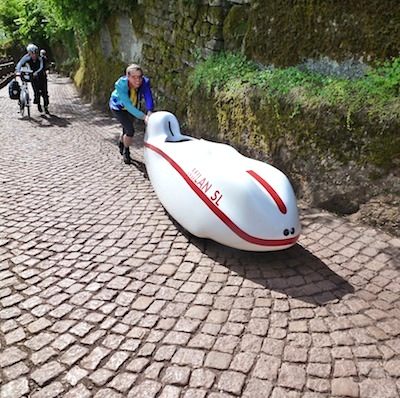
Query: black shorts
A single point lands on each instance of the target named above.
(126, 119)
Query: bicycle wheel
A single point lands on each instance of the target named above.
(22, 104)
(28, 105)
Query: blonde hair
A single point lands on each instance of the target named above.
(133, 67)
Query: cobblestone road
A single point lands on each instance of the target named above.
(102, 295)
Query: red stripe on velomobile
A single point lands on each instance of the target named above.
(221, 215)
(271, 191)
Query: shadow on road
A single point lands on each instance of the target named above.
(138, 163)
(141, 167)
(45, 121)
(294, 272)
(54, 120)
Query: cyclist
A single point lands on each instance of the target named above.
(43, 54)
(46, 67)
(39, 83)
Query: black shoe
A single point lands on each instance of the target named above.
(127, 156)
(121, 147)
(46, 110)
(39, 107)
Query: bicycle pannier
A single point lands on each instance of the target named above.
(14, 89)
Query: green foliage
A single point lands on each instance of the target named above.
(373, 92)
(9, 11)
(222, 70)
(85, 16)
(58, 25)
(383, 82)
(24, 21)
(81, 15)
(347, 118)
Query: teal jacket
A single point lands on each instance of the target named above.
(120, 97)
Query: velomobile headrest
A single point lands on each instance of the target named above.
(165, 124)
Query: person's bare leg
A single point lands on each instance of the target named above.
(127, 141)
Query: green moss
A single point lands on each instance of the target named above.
(97, 74)
(317, 116)
(215, 15)
(235, 27)
(138, 15)
(112, 25)
(286, 34)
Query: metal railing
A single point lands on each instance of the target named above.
(7, 71)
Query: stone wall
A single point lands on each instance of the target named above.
(286, 32)
(177, 35)
(169, 37)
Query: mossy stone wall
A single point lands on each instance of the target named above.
(177, 35)
(173, 36)
(313, 147)
(286, 32)
(170, 37)
(330, 166)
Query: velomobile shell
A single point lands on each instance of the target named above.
(215, 192)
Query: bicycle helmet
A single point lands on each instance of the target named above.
(31, 48)
(42, 52)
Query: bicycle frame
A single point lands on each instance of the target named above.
(24, 99)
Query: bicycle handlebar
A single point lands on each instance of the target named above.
(25, 75)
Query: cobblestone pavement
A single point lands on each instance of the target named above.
(103, 295)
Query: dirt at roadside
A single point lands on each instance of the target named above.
(382, 211)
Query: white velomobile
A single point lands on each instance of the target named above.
(214, 192)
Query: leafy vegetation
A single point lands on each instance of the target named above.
(23, 21)
(347, 113)
(375, 91)
(51, 17)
